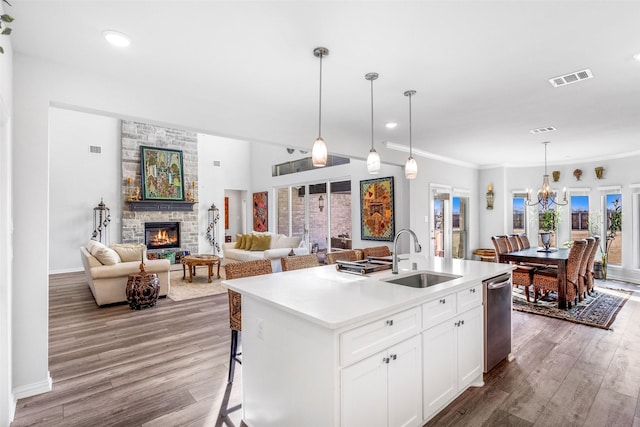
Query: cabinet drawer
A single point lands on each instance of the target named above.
(469, 298)
(434, 312)
(376, 336)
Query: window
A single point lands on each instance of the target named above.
(613, 228)
(579, 217)
(519, 216)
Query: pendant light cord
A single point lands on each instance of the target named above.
(320, 101)
(410, 127)
(372, 114)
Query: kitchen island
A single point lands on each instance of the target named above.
(326, 348)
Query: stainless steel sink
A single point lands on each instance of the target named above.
(422, 279)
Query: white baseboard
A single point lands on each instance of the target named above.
(66, 270)
(33, 389)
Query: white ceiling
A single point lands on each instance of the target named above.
(480, 69)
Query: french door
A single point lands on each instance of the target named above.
(448, 221)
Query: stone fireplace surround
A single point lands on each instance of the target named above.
(135, 134)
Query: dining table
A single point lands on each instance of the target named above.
(553, 256)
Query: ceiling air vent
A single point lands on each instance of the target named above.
(571, 78)
(542, 130)
(95, 149)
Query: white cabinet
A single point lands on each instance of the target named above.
(384, 389)
(452, 359)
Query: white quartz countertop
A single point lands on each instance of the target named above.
(335, 299)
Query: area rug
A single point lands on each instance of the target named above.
(182, 290)
(598, 310)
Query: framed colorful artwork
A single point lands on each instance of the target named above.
(377, 220)
(162, 174)
(260, 212)
(226, 213)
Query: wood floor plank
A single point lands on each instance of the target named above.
(570, 404)
(611, 409)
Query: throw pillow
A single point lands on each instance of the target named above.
(239, 241)
(130, 251)
(248, 240)
(261, 242)
(105, 255)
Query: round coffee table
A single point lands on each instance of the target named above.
(192, 261)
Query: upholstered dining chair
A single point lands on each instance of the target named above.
(237, 270)
(299, 262)
(582, 271)
(523, 241)
(377, 251)
(351, 255)
(547, 278)
(589, 274)
(513, 242)
(523, 274)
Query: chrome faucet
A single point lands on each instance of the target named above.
(418, 248)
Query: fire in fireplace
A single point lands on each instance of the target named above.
(162, 235)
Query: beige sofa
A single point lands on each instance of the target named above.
(279, 246)
(108, 268)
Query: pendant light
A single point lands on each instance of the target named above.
(373, 160)
(319, 151)
(411, 168)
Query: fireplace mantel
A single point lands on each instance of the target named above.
(161, 205)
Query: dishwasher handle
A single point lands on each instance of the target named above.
(497, 285)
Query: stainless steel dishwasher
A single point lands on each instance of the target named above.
(497, 320)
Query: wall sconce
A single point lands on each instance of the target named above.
(321, 203)
(490, 197)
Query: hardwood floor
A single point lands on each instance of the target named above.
(162, 366)
(167, 366)
(564, 374)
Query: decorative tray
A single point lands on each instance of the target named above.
(367, 266)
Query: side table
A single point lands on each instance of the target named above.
(192, 261)
(142, 289)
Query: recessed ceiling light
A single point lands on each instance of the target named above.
(636, 56)
(391, 125)
(116, 38)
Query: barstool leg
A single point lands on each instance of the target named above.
(232, 355)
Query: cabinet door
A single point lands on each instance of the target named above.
(470, 342)
(364, 393)
(439, 366)
(405, 383)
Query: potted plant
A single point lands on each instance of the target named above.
(547, 225)
(614, 226)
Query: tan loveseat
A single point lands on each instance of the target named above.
(271, 246)
(108, 268)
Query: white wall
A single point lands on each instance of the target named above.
(79, 180)
(432, 172)
(233, 173)
(7, 401)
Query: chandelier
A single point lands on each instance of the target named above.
(546, 196)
